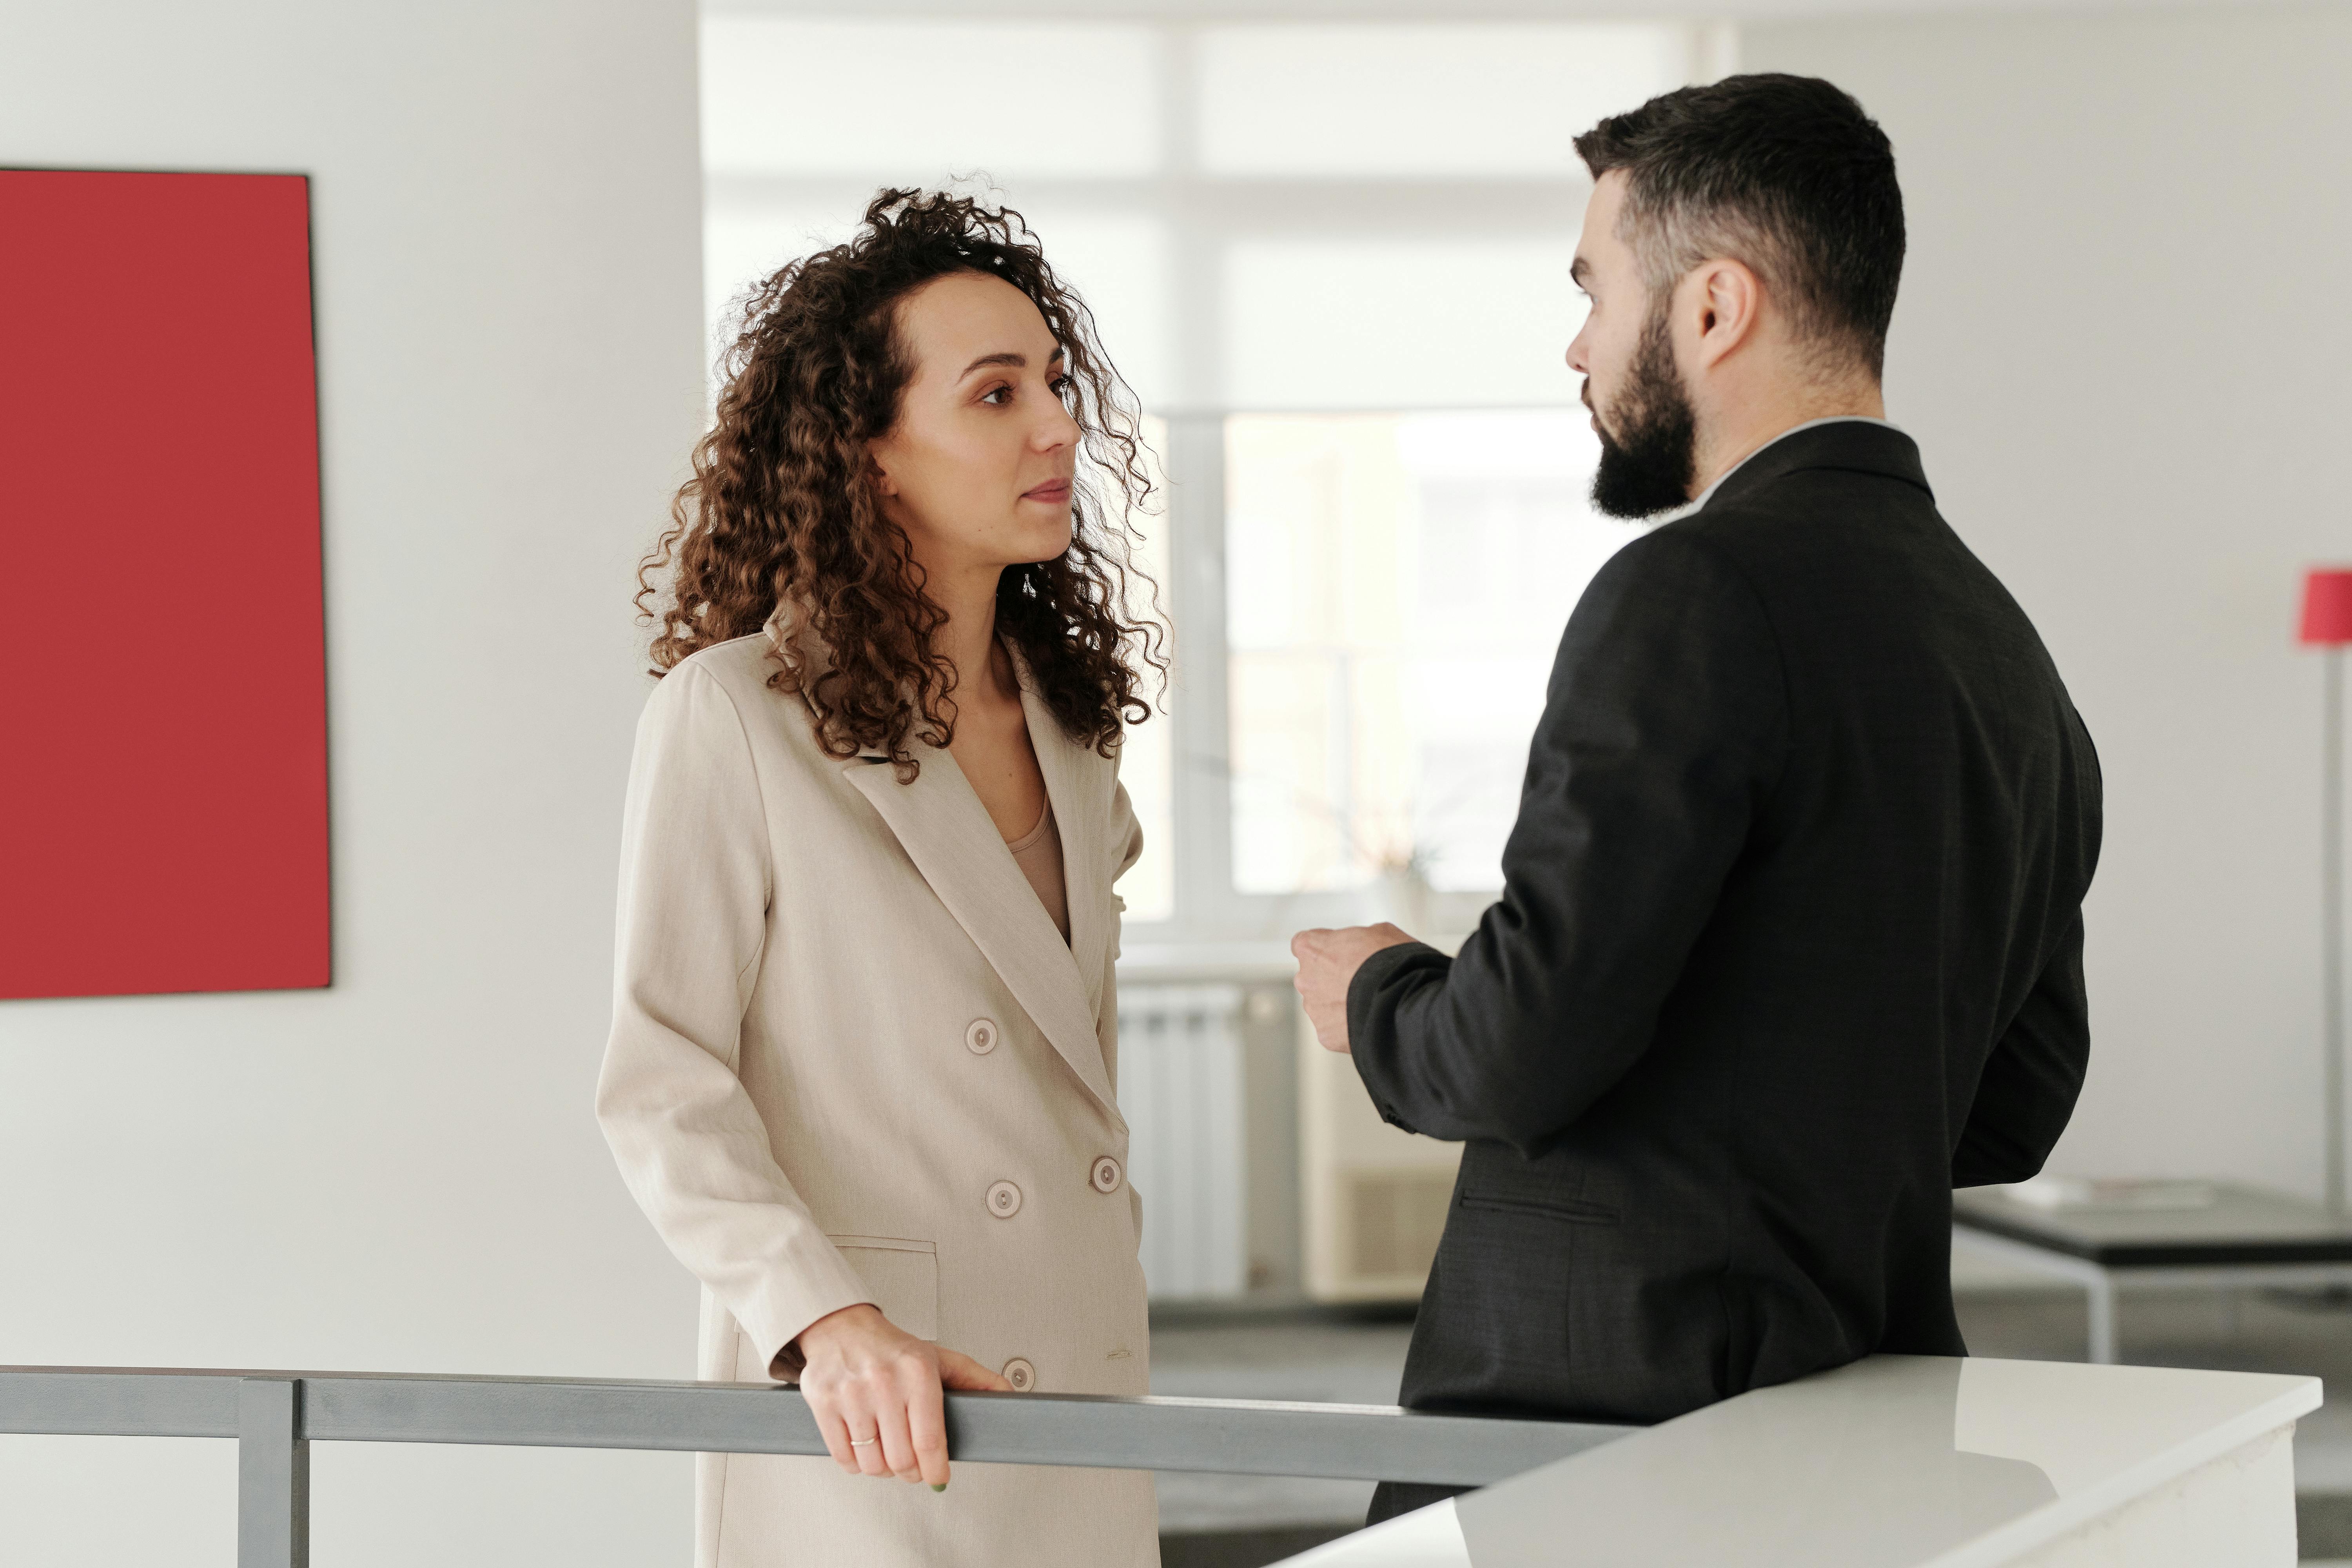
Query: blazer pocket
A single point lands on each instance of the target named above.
(1572, 1210)
(904, 1276)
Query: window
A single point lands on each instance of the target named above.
(1396, 584)
(1332, 259)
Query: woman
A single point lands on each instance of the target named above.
(863, 1063)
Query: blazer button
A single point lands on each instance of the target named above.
(1004, 1200)
(1020, 1374)
(980, 1036)
(1105, 1174)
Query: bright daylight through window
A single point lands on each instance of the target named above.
(1333, 261)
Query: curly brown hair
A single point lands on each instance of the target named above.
(782, 509)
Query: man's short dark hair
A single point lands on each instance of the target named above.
(1785, 174)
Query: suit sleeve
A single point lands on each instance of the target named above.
(695, 868)
(1665, 727)
(2032, 1079)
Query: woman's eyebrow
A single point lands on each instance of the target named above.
(1006, 357)
(1014, 360)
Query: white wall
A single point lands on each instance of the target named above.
(402, 1172)
(2121, 345)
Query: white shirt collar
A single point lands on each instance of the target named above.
(1707, 494)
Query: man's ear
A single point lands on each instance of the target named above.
(1731, 300)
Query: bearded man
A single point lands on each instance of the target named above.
(1791, 938)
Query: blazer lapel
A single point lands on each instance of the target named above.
(948, 834)
(1079, 781)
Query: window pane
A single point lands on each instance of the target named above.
(1397, 586)
(1401, 323)
(919, 100)
(1480, 98)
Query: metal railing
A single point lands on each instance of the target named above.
(276, 1416)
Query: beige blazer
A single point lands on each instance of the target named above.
(852, 1061)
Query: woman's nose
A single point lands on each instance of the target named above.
(1059, 428)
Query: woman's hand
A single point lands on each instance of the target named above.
(874, 1389)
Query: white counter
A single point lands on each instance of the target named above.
(1903, 1462)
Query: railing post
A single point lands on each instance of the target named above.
(273, 1475)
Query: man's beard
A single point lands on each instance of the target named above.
(1646, 467)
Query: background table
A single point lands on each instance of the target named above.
(2238, 1238)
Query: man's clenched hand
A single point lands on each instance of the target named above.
(1328, 961)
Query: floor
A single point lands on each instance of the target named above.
(1329, 1358)
(1246, 1521)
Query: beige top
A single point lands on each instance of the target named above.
(1038, 853)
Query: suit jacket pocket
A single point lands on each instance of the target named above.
(1573, 1210)
(904, 1276)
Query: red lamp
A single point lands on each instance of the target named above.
(2327, 623)
(2327, 606)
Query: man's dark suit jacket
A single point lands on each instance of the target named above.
(1790, 946)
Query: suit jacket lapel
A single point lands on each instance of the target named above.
(948, 834)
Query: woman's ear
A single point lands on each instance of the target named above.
(883, 483)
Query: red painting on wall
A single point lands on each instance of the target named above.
(162, 701)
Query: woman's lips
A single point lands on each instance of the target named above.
(1051, 490)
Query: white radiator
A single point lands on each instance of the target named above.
(1180, 1088)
